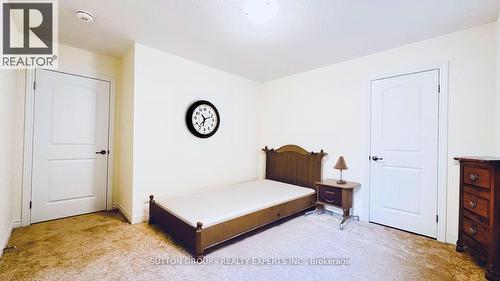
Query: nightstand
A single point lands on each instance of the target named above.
(329, 192)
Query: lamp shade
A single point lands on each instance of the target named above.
(341, 165)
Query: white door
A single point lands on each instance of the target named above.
(70, 132)
(404, 149)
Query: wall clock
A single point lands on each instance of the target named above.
(202, 119)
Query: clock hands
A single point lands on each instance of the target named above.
(204, 119)
(203, 122)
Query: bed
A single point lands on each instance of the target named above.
(203, 219)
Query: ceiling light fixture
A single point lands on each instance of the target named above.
(84, 16)
(261, 11)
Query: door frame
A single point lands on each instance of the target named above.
(28, 138)
(442, 144)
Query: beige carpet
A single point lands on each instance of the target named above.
(103, 246)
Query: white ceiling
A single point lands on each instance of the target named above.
(304, 34)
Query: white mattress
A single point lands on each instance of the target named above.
(216, 205)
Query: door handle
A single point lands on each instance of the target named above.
(376, 158)
(101, 152)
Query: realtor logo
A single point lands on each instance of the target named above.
(29, 33)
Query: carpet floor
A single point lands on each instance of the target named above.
(103, 246)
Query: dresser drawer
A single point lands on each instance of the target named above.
(476, 204)
(330, 195)
(476, 231)
(477, 176)
(477, 191)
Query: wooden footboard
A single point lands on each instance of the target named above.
(197, 240)
(179, 230)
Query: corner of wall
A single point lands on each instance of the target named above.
(10, 157)
(124, 124)
(6, 238)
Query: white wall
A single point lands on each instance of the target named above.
(168, 159)
(124, 134)
(10, 148)
(17, 150)
(327, 108)
(71, 60)
(78, 61)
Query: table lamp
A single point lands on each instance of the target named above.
(341, 165)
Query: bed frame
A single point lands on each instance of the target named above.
(289, 164)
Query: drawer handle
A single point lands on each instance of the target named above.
(474, 177)
(328, 200)
(473, 204)
(472, 230)
(330, 192)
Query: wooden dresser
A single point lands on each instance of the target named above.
(479, 221)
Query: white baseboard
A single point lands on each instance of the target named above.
(128, 217)
(17, 223)
(139, 219)
(5, 240)
(451, 238)
(122, 210)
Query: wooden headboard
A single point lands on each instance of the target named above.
(293, 164)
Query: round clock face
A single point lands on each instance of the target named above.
(202, 119)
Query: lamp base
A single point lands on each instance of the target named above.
(341, 182)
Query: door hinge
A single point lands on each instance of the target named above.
(437, 218)
(31, 204)
(439, 88)
(34, 85)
